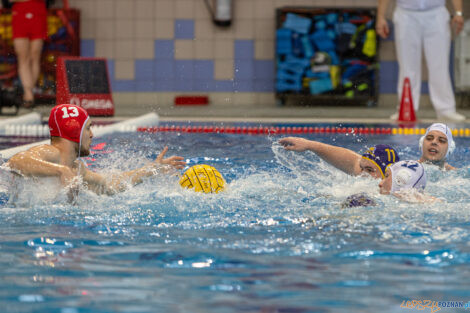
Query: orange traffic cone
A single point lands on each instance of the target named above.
(407, 111)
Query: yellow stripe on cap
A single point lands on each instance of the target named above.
(375, 163)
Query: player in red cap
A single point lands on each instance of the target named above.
(71, 137)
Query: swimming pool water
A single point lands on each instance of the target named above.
(277, 240)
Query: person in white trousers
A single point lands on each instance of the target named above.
(424, 25)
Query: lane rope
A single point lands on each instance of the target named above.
(458, 132)
(43, 130)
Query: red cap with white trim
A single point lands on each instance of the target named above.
(68, 121)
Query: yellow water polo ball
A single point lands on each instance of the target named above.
(203, 178)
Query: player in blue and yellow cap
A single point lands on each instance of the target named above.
(374, 161)
(382, 156)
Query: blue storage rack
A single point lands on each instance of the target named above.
(310, 39)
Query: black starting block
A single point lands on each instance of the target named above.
(9, 98)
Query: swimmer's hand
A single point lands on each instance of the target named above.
(295, 144)
(120, 182)
(169, 164)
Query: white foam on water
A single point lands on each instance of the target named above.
(299, 189)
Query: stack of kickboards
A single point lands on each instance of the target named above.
(329, 53)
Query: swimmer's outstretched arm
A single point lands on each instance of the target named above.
(119, 182)
(341, 158)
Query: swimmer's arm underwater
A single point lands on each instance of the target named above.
(413, 196)
(41, 161)
(441, 164)
(119, 182)
(449, 167)
(341, 158)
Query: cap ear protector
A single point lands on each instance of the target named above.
(407, 175)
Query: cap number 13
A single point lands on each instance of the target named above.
(69, 112)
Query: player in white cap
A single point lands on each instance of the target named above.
(406, 180)
(403, 175)
(436, 145)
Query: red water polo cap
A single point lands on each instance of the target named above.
(68, 121)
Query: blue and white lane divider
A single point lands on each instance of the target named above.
(23, 121)
(130, 125)
(25, 130)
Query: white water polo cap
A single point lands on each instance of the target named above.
(443, 128)
(407, 175)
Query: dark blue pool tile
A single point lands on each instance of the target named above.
(123, 85)
(164, 49)
(111, 71)
(244, 69)
(387, 87)
(263, 85)
(224, 85)
(183, 85)
(244, 49)
(144, 70)
(391, 88)
(184, 69)
(204, 85)
(243, 86)
(184, 29)
(388, 76)
(164, 69)
(424, 88)
(144, 86)
(87, 48)
(164, 85)
(264, 69)
(203, 69)
(389, 70)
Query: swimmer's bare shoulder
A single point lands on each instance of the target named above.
(44, 152)
(446, 165)
(43, 160)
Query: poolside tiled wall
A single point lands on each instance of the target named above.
(167, 47)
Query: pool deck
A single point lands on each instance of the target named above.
(263, 113)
